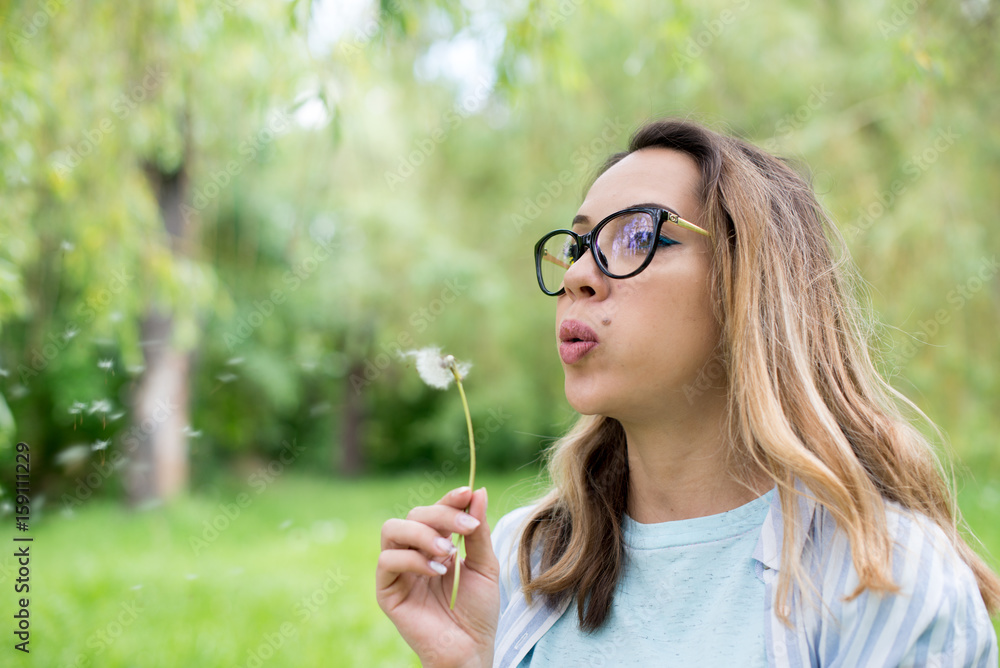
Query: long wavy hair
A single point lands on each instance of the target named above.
(806, 402)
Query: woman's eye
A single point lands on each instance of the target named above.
(640, 240)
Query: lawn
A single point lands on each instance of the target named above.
(285, 578)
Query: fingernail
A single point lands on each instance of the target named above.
(466, 521)
(444, 545)
(462, 490)
(438, 567)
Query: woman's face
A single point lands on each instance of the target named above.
(656, 331)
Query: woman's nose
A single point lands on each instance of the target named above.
(585, 279)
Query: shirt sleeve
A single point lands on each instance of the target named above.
(505, 538)
(936, 618)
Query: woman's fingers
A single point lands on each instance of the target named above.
(419, 543)
(479, 554)
(397, 533)
(457, 498)
(447, 516)
(393, 563)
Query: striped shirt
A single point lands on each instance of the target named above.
(937, 618)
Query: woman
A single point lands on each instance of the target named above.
(742, 487)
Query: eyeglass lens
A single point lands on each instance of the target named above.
(622, 246)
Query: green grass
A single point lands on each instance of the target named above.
(117, 588)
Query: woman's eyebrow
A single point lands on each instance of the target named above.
(584, 220)
(656, 205)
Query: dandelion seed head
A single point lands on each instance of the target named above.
(71, 456)
(100, 445)
(435, 368)
(99, 405)
(104, 365)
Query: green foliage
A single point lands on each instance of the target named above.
(349, 199)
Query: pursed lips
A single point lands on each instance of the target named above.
(575, 340)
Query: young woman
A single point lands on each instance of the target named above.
(742, 487)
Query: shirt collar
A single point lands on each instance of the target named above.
(768, 548)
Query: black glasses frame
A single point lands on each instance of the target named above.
(582, 242)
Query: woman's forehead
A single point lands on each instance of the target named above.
(659, 175)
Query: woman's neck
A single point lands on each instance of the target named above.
(679, 469)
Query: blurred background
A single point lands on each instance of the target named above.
(220, 221)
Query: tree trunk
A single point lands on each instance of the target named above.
(352, 424)
(158, 466)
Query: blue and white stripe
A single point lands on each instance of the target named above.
(937, 618)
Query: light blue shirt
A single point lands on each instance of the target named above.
(689, 596)
(936, 618)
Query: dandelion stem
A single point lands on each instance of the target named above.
(472, 469)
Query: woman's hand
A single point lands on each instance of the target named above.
(416, 597)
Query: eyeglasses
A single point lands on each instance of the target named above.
(622, 244)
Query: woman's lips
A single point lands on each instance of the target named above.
(575, 340)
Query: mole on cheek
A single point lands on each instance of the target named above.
(606, 322)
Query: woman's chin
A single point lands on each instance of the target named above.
(586, 401)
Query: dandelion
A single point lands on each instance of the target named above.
(438, 371)
(72, 456)
(102, 406)
(76, 409)
(106, 366)
(101, 446)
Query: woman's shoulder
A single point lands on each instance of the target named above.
(919, 544)
(935, 610)
(508, 529)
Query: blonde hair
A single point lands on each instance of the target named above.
(806, 403)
